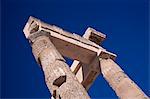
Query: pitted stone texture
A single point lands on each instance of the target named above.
(54, 67)
(127, 89)
(124, 87)
(42, 43)
(78, 48)
(71, 90)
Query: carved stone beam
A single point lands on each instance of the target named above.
(69, 45)
(87, 73)
(59, 79)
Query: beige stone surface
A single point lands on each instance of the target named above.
(61, 82)
(124, 87)
(87, 73)
(69, 45)
(50, 42)
(94, 36)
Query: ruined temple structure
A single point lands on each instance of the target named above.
(50, 43)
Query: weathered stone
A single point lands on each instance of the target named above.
(87, 73)
(94, 36)
(49, 42)
(65, 42)
(124, 87)
(57, 72)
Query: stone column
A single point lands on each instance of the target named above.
(124, 87)
(61, 82)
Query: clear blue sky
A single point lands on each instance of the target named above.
(125, 22)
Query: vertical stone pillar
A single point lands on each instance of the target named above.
(124, 87)
(61, 82)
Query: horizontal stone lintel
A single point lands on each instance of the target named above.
(69, 45)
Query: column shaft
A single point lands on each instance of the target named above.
(61, 82)
(124, 87)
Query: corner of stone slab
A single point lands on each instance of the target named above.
(89, 29)
(106, 55)
(27, 26)
(94, 35)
